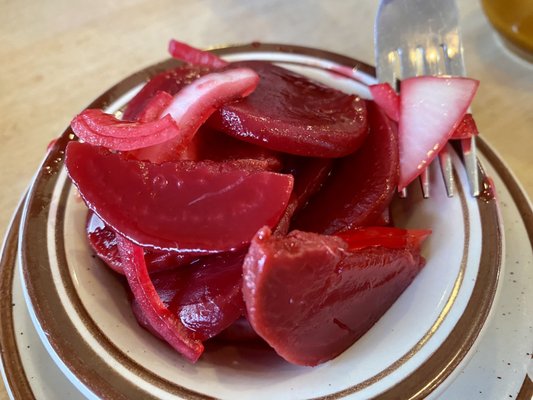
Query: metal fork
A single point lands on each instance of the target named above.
(422, 37)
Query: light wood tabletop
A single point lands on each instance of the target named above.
(57, 56)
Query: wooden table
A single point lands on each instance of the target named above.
(57, 56)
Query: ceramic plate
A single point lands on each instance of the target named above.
(497, 370)
(82, 314)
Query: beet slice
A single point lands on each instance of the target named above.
(311, 297)
(386, 98)
(103, 241)
(205, 295)
(171, 82)
(209, 144)
(159, 317)
(292, 114)
(192, 207)
(466, 129)
(309, 175)
(239, 332)
(361, 186)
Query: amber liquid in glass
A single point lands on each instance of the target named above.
(513, 19)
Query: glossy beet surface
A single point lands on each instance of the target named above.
(291, 114)
(240, 332)
(209, 144)
(205, 295)
(386, 98)
(160, 318)
(311, 297)
(194, 207)
(361, 186)
(103, 241)
(466, 128)
(309, 175)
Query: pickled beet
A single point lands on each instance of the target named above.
(361, 186)
(192, 207)
(103, 241)
(205, 295)
(240, 332)
(292, 114)
(209, 144)
(311, 296)
(466, 129)
(387, 99)
(309, 174)
(161, 320)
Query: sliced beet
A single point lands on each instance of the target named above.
(239, 332)
(205, 295)
(309, 175)
(192, 207)
(170, 82)
(103, 241)
(162, 321)
(361, 186)
(311, 297)
(384, 236)
(466, 129)
(209, 144)
(387, 99)
(292, 114)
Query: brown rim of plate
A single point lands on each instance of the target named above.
(17, 381)
(106, 382)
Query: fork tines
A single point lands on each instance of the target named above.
(421, 37)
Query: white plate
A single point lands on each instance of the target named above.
(497, 370)
(82, 313)
(28, 370)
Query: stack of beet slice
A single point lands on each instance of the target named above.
(244, 192)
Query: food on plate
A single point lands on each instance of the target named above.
(163, 321)
(182, 206)
(432, 109)
(292, 114)
(389, 101)
(244, 201)
(184, 52)
(466, 128)
(184, 114)
(103, 241)
(312, 296)
(372, 174)
(206, 294)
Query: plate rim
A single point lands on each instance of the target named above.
(454, 348)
